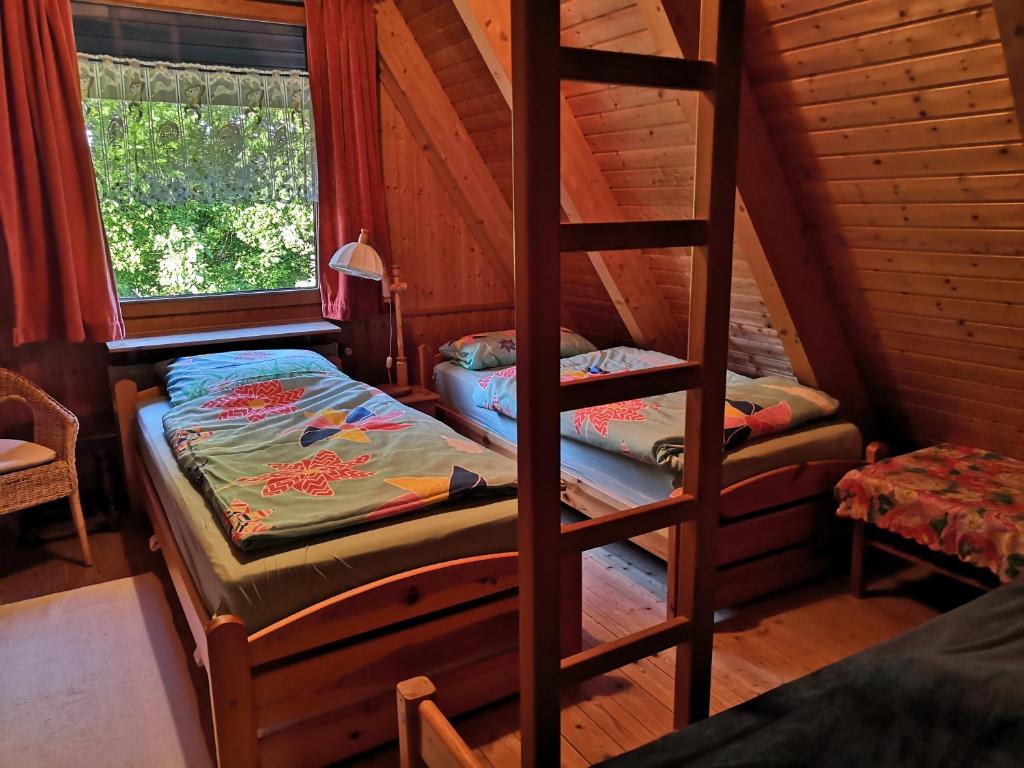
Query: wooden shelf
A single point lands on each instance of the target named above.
(221, 336)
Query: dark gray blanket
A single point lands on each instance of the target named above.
(949, 693)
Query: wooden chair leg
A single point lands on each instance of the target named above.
(857, 558)
(79, 519)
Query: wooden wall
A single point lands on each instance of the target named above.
(453, 289)
(641, 141)
(895, 121)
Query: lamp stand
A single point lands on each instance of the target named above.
(401, 364)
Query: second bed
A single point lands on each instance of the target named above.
(777, 512)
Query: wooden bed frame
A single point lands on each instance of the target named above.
(318, 686)
(775, 527)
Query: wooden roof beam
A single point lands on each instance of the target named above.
(585, 194)
(421, 99)
(1010, 18)
(770, 235)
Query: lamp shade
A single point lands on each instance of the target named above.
(359, 259)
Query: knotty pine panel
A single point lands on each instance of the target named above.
(894, 121)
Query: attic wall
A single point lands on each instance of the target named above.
(453, 289)
(895, 121)
(641, 142)
(644, 145)
(442, 37)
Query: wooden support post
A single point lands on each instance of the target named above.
(571, 628)
(693, 546)
(1010, 17)
(536, 162)
(231, 694)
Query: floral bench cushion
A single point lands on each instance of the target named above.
(957, 500)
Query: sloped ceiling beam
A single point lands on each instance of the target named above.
(1010, 17)
(585, 194)
(414, 88)
(770, 235)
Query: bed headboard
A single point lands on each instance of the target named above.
(426, 359)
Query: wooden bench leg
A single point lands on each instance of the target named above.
(857, 558)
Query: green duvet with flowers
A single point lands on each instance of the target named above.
(284, 446)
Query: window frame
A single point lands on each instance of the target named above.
(156, 314)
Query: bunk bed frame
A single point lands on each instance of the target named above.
(777, 528)
(278, 695)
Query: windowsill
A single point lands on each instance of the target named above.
(201, 338)
(195, 314)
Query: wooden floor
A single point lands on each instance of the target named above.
(757, 647)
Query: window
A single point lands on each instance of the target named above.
(206, 173)
(201, 133)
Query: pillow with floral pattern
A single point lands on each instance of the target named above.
(202, 375)
(498, 349)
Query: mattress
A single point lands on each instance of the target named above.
(633, 483)
(268, 585)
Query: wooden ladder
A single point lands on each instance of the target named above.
(539, 63)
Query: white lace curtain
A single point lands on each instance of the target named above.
(170, 133)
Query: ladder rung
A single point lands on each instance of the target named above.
(627, 523)
(627, 235)
(628, 385)
(605, 658)
(617, 68)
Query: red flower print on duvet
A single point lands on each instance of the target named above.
(255, 402)
(599, 416)
(312, 477)
(243, 521)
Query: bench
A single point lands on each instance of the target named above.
(961, 502)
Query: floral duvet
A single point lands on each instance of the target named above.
(283, 446)
(651, 429)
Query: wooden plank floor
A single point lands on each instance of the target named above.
(757, 647)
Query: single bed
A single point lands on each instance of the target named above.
(778, 509)
(306, 635)
(265, 587)
(949, 693)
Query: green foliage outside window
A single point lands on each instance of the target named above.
(206, 176)
(193, 247)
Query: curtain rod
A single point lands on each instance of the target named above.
(249, 10)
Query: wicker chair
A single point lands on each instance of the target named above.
(52, 477)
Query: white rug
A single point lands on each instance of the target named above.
(96, 677)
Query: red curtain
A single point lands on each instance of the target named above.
(57, 282)
(341, 43)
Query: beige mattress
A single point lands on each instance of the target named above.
(265, 586)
